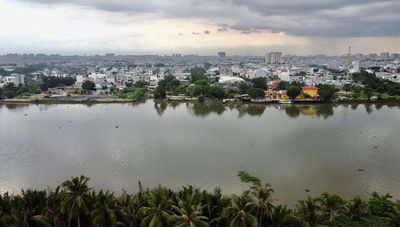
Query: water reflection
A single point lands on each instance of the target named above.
(243, 109)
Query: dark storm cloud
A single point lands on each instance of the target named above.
(343, 18)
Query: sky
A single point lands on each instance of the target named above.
(204, 27)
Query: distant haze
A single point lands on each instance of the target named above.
(239, 27)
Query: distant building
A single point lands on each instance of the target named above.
(274, 58)
(355, 67)
(16, 79)
(385, 55)
(221, 54)
(395, 55)
(176, 55)
(110, 55)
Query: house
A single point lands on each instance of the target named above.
(310, 91)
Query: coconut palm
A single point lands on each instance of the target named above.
(308, 212)
(214, 207)
(130, 207)
(7, 214)
(157, 212)
(263, 195)
(105, 210)
(331, 206)
(189, 209)
(395, 215)
(357, 209)
(52, 215)
(241, 212)
(76, 199)
(281, 216)
(27, 206)
(189, 216)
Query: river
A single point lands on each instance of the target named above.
(346, 149)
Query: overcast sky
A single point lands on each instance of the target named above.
(199, 26)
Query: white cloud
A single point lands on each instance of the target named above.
(155, 26)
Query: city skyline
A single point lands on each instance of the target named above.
(204, 27)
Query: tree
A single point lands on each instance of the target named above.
(88, 85)
(308, 211)
(105, 210)
(331, 206)
(160, 93)
(243, 87)
(281, 217)
(201, 87)
(255, 93)
(197, 73)
(139, 84)
(216, 92)
(77, 198)
(283, 85)
(381, 206)
(357, 209)
(259, 82)
(173, 85)
(189, 209)
(326, 92)
(139, 94)
(293, 92)
(157, 212)
(241, 212)
(9, 90)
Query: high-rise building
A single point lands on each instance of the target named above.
(385, 55)
(274, 58)
(221, 54)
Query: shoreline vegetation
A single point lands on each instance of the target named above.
(183, 99)
(75, 203)
(365, 87)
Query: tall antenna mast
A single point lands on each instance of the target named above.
(348, 65)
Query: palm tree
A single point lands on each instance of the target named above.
(214, 207)
(130, 207)
(27, 206)
(357, 209)
(190, 217)
(52, 215)
(331, 207)
(189, 209)
(263, 195)
(395, 215)
(105, 210)
(281, 217)
(157, 212)
(76, 198)
(7, 217)
(308, 212)
(241, 212)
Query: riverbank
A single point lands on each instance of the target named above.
(69, 100)
(93, 99)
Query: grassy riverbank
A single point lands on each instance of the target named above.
(74, 203)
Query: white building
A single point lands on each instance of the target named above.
(16, 79)
(274, 58)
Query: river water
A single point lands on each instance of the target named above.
(347, 149)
